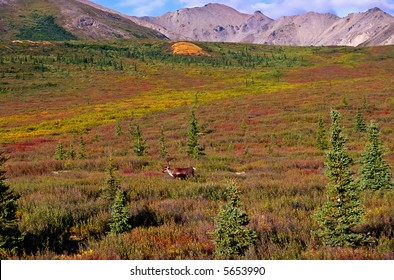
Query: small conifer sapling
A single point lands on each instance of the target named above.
(119, 221)
(231, 237)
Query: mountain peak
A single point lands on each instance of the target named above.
(212, 22)
(374, 10)
(215, 5)
(220, 23)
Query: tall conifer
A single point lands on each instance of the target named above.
(341, 214)
(359, 125)
(163, 145)
(140, 146)
(375, 172)
(118, 129)
(321, 135)
(193, 147)
(111, 183)
(10, 237)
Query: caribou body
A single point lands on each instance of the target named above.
(180, 173)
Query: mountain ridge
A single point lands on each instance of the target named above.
(83, 19)
(372, 27)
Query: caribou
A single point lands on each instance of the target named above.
(180, 173)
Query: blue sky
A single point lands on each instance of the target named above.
(271, 8)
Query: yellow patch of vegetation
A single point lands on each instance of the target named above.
(187, 48)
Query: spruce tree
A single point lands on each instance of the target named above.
(365, 105)
(71, 152)
(321, 135)
(163, 145)
(342, 213)
(193, 148)
(111, 183)
(344, 102)
(231, 237)
(359, 125)
(118, 129)
(60, 152)
(10, 237)
(375, 172)
(82, 149)
(140, 146)
(119, 221)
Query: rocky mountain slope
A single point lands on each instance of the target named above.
(373, 26)
(213, 22)
(82, 19)
(217, 22)
(64, 20)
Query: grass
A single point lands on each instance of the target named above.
(258, 108)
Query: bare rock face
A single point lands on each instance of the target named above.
(300, 30)
(358, 28)
(216, 22)
(213, 22)
(85, 21)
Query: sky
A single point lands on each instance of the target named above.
(271, 8)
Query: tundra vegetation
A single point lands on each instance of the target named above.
(258, 107)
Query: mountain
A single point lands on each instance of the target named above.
(82, 19)
(213, 22)
(300, 30)
(64, 20)
(216, 22)
(359, 29)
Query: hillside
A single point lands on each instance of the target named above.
(67, 108)
(219, 23)
(213, 22)
(82, 19)
(64, 20)
(373, 26)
